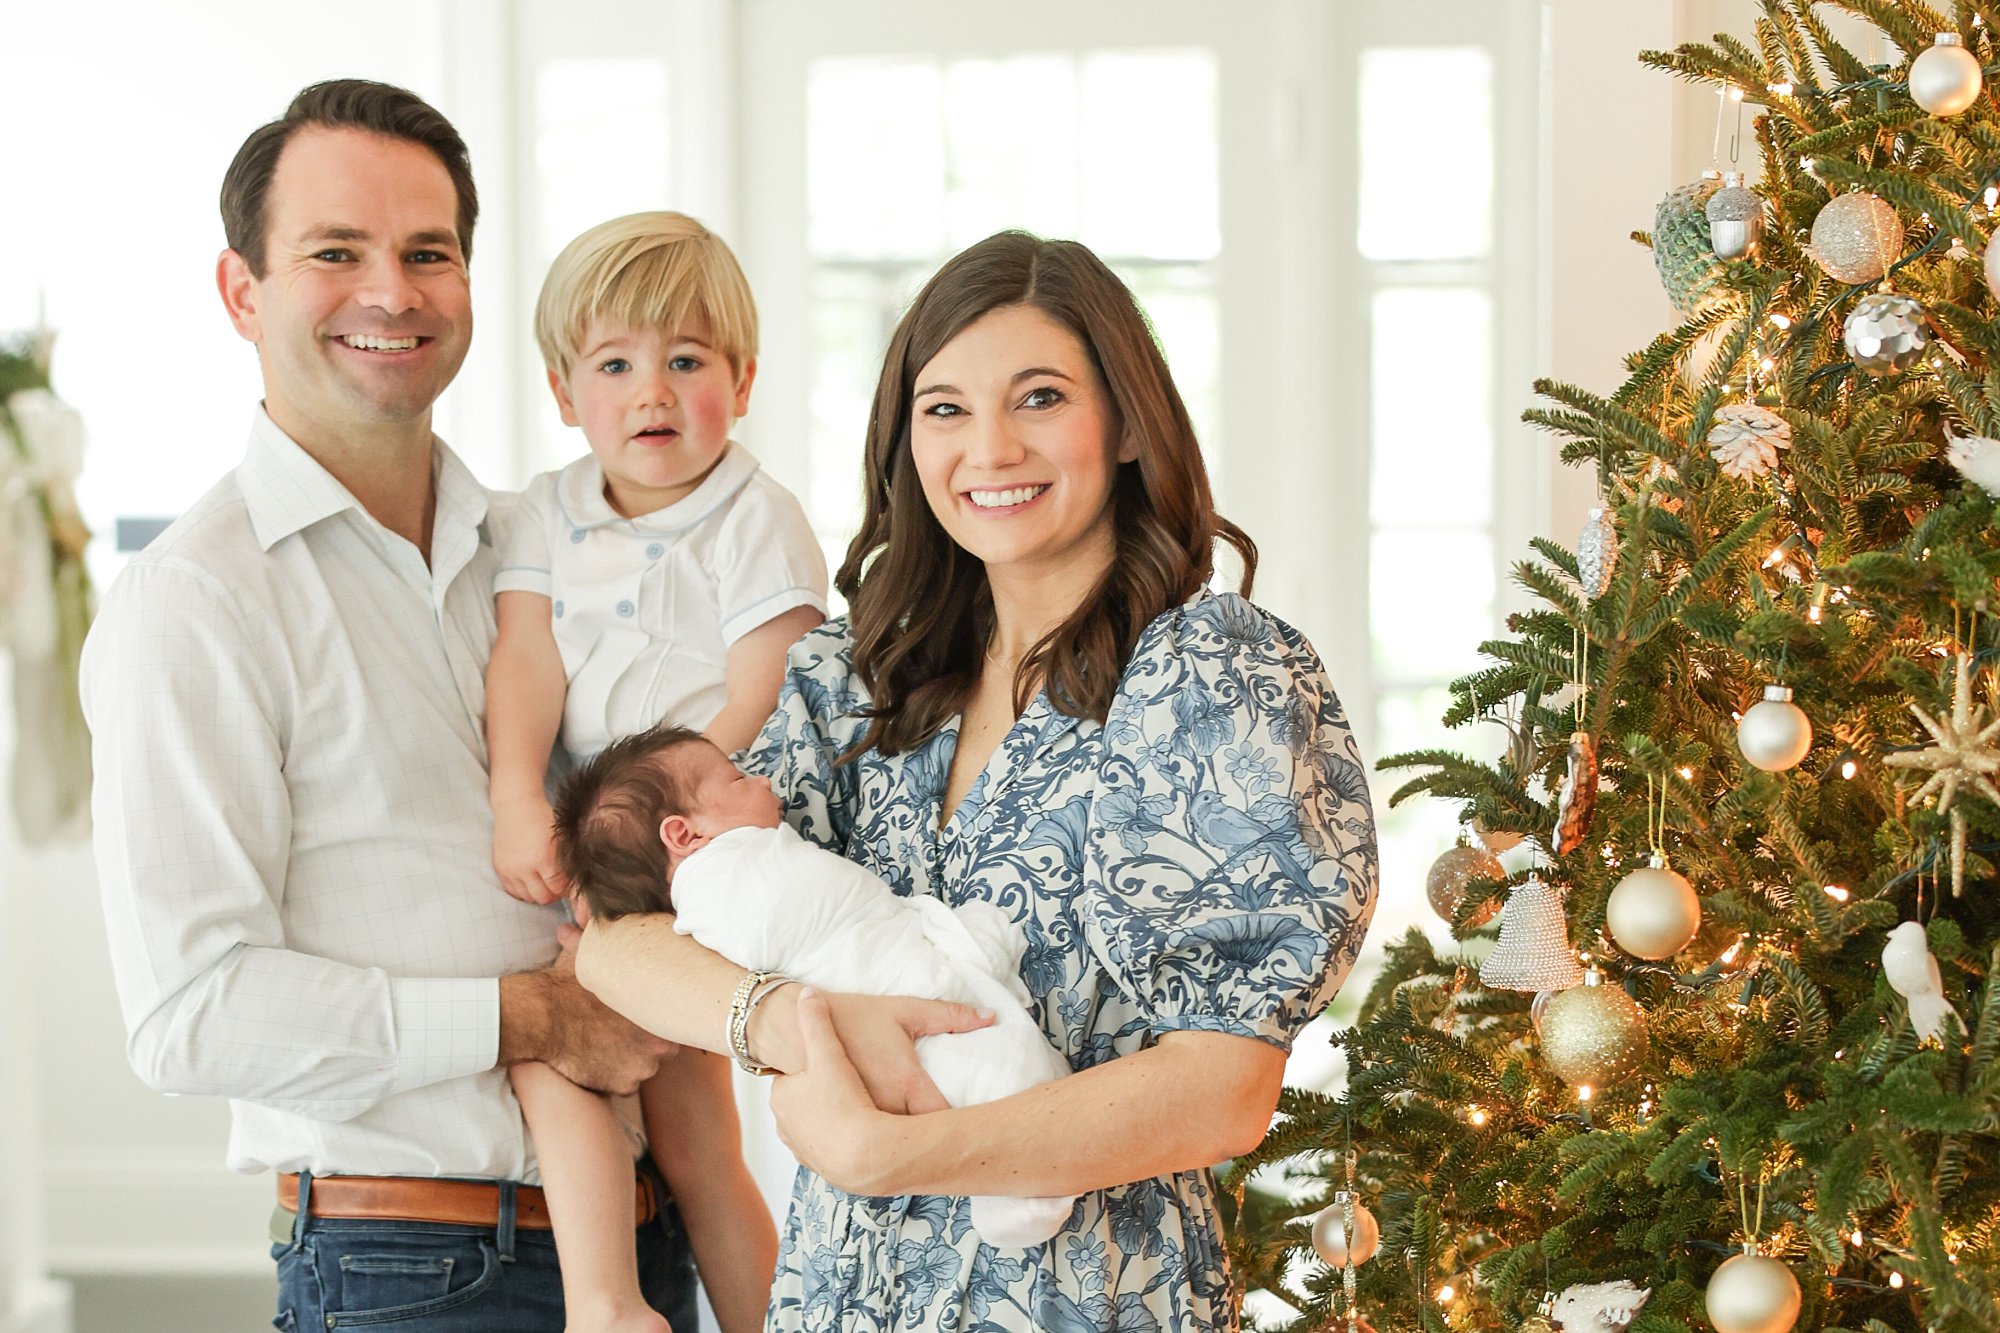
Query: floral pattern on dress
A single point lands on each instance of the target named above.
(1203, 861)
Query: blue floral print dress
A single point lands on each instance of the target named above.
(1203, 861)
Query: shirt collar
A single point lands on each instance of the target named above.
(287, 490)
(580, 490)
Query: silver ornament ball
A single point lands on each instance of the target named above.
(1452, 872)
(1653, 912)
(1594, 1034)
(1330, 1233)
(1774, 733)
(1752, 1294)
(1856, 237)
(1945, 80)
(1886, 333)
(1735, 217)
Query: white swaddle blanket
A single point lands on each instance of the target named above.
(768, 900)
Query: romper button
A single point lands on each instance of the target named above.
(655, 551)
(624, 608)
(559, 610)
(576, 536)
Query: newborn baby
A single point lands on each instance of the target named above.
(664, 822)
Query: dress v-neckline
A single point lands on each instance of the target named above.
(993, 776)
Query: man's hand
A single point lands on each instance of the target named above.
(547, 1016)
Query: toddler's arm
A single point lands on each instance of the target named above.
(754, 672)
(690, 1111)
(525, 687)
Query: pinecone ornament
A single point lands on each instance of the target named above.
(1745, 440)
(1596, 552)
(1682, 249)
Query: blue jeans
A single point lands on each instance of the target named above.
(430, 1277)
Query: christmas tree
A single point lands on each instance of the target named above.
(1733, 1050)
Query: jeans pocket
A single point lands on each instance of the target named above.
(381, 1280)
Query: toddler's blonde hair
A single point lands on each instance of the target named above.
(646, 270)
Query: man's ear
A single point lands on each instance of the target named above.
(678, 836)
(743, 383)
(238, 287)
(559, 386)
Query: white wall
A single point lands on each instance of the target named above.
(134, 1181)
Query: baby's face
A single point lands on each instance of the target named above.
(725, 797)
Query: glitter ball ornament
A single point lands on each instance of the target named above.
(1682, 251)
(1886, 333)
(1745, 439)
(1653, 912)
(1596, 552)
(1330, 1232)
(1533, 951)
(1856, 237)
(1751, 1293)
(1945, 80)
(1774, 733)
(1735, 217)
(1453, 872)
(1594, 1034)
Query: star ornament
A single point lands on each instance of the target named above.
(1964, 756)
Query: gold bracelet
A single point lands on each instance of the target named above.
(770, 987)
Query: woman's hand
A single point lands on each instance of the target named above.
(825, 1113)
(877, 1036)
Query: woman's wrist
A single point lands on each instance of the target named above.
(772, 1029)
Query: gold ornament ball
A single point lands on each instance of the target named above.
(1752, 1294)
(1330, 1234)
(1653, 912)
(1595, 1035)
(1856, 237)
(1774, 733)
(1537, 1323)
(1451, 873)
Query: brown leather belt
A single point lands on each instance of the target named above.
(468, 1203)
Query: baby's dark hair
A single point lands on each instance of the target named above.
(608, 817)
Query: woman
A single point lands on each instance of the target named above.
(1035, 702)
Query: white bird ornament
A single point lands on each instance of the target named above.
(1600, 1307)
(1912, 970)
(1977, 459)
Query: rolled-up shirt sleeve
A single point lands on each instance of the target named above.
(193, 830)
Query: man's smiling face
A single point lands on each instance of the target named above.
(363, 313)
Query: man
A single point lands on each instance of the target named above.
(292, 827)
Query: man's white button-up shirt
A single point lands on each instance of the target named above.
(287, 708)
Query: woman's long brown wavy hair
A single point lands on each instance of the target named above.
(920, 608)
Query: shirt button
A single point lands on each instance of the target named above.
(655, 551)
(558, 610)
(624, 608)
(576, 536)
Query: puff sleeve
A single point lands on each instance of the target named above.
(800, 745)
(1230, 863)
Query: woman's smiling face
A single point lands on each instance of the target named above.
(1017, 443)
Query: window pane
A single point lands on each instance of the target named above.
(875, 173)
(1426, 153)
(853, 312)
(1179, 299)
(1148, 157)
(1430, 596)
(602, 145)
(1432, 407)
(1012, 144)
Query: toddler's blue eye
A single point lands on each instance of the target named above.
(683, 364)
(617, 365)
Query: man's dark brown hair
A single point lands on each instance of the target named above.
(354, 104)
(608, 817)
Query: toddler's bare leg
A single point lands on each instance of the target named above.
(587, 1176)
